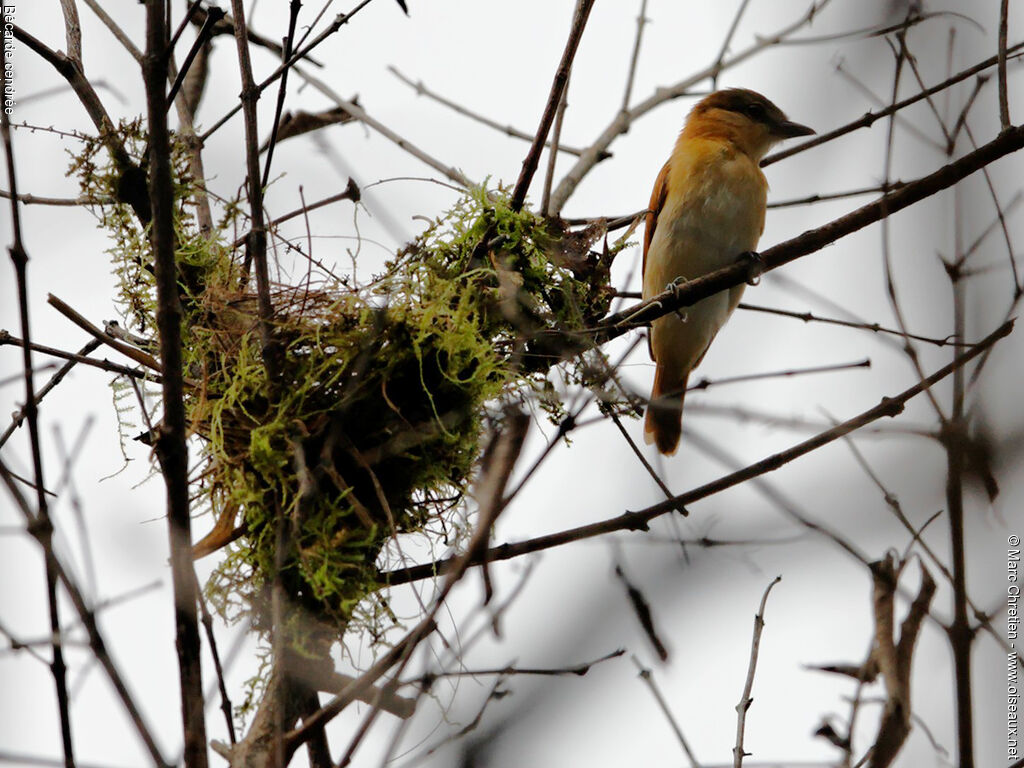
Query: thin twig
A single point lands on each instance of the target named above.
(579, 22)
(81, 200)
(905, 123)
(641, 22)
(894, 505)
(104, 365)
(1004, 101)
(577, 670)
(422, 90)
(705, 383)
(293, 17)
(256, 243)
(746, 699)
(213, 16)
(817, 198)
(211, 640)
(726, 42)
(64, 370)
(961, 120)
(1018, 288)
(556, 137)
(643, 459)
(364, 117)
(809, 317)
(902, 54)
(645, 674)
(133, 353)
(115, 30)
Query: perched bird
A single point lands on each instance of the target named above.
(707, 209)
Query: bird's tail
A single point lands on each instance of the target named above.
(664, 421)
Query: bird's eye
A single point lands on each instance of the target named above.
(754, 111)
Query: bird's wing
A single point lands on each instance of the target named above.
(658, 197)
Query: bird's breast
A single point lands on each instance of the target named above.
(713, 212)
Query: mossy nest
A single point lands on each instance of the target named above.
(371, 423)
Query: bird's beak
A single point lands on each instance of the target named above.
(787, 129)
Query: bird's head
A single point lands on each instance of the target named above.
(744, 118)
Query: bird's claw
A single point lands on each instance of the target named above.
(675, 286)
(755, 266)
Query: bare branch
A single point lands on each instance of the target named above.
(641, 22)
(105, 365)
(115, 30)
(580, 16)
(1004, 102)
(809, 317)
(746, 699)
(705, 383)
(727, 41)
(140, 357)
(556, 137)
(819, 198)
(56, 379)
(645, 674)
(422, 90)
(894, 657)
(27, 199)
(72, 31)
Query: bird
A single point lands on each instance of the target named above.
(707, 210)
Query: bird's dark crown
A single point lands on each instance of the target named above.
(744, 101)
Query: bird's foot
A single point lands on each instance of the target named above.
(755, 266)
(675, 287)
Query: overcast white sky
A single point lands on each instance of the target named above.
(498, 59)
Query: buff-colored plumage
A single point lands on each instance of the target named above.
(707, 209)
